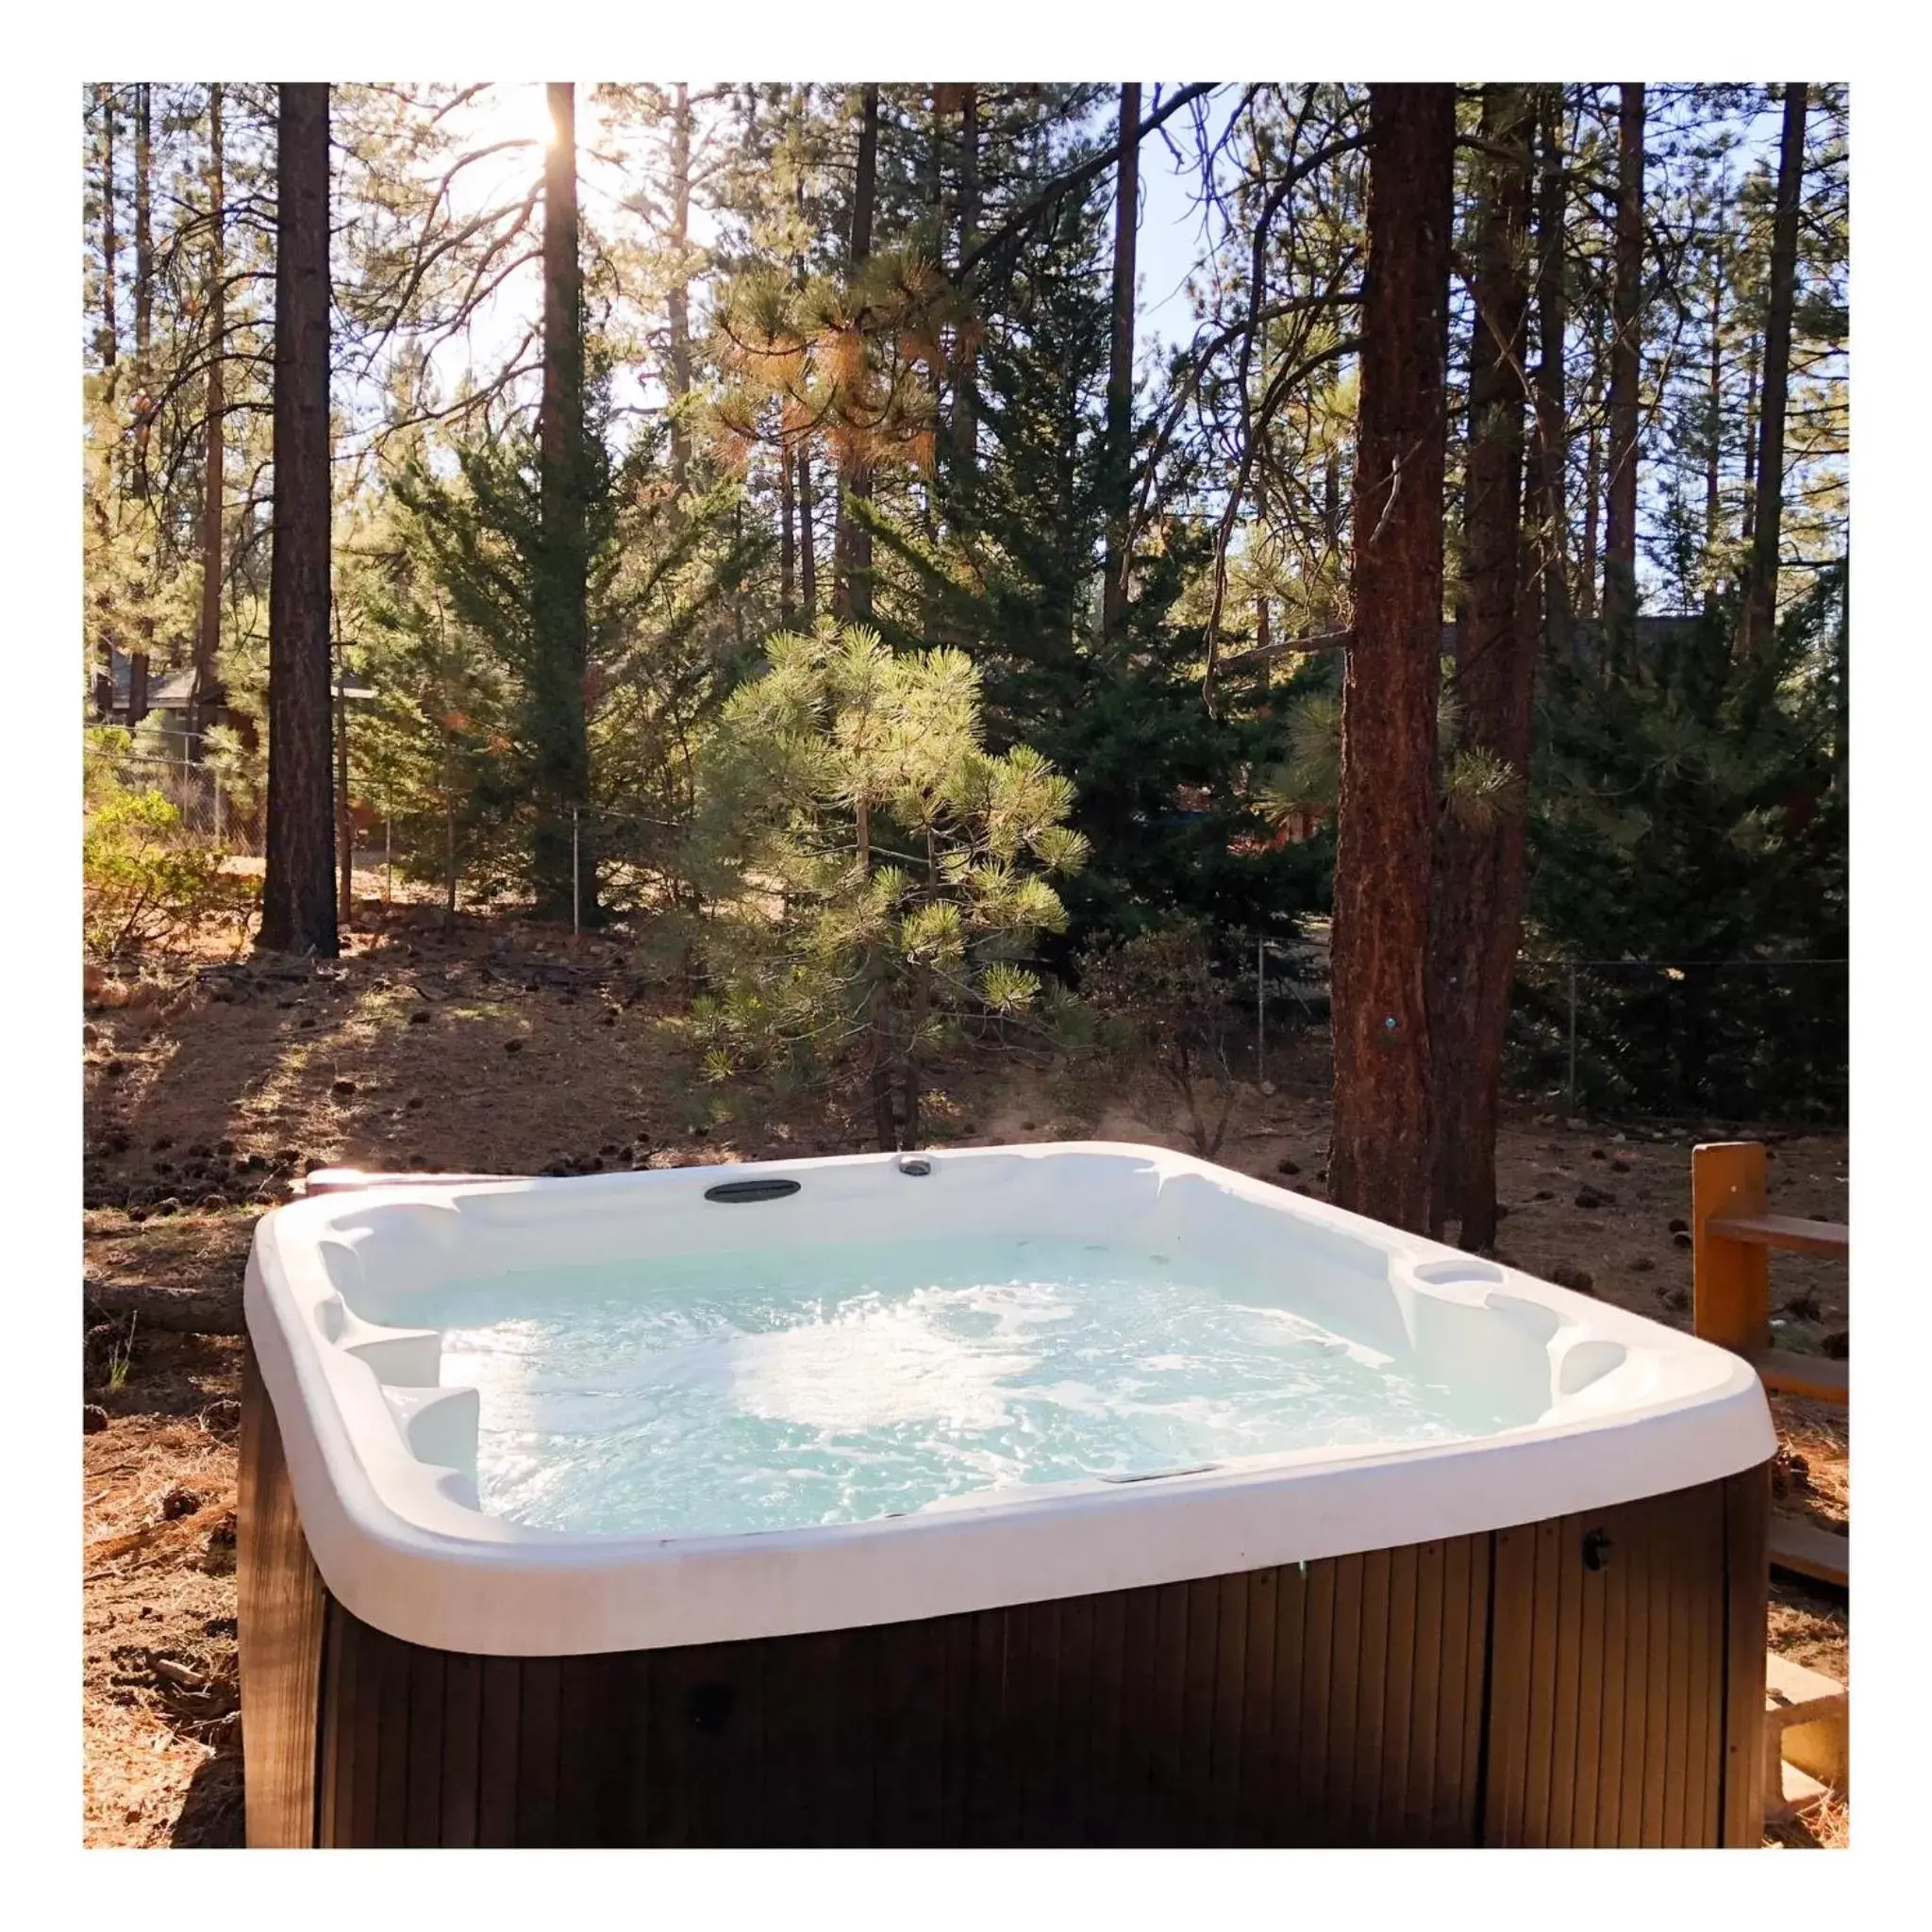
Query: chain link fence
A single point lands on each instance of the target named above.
(210, 817)
(1746, 1039)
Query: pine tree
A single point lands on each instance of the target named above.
(1379, 1158)
(298, 906)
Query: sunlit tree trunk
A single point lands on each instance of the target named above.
(111, 328)
(678, 298)
(298, 904)
(1379, 1160)
(208, 689)
(965, 400)
(807, 544)
(563, 850)
(1760, 597)
(851, 541)
(141, 656)
(788, 537)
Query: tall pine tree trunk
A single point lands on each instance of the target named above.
(678, 299)
(110, 326)
(1592, 472)
(1379, 1160)
(1620, 534)
(1478, 885)
(851, 541)
(208, 691)
(1760, 599)
(298, 901)
(1753, 351)
(141, 656)
(1552, 503)
(107, 344)
(143, 226)
(1120, 361)
(1714, 425)
(965, 396)
(787, 536)
(562, 850)
(808, 545)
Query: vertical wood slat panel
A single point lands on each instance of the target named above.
(1610, 1696)
(1747, 1580)
(901, 1728)
(365, 1735)
(1035, 1648)
(1071, 1814)
(1371, 1695)
(1262, 1742)
(1291, 1747)
(1106, 1725)
(1394, 1779)
(1678, 1766)
(425, 1677)
(1585, 1692)
(1196, 1763)
(1549, 1555)
(986, 1778)
(393, 1779)
(1230, 1712)
(1164, 1821)
(1470, 1704)
(1510, 1676)
(1336, 1703)
(955, 1645)
(462, 1716)
(1314, 1809)
(283, 1610)
(1428, 1635)
(1566, 1680)
(1345, 1676)
(1608, 1825)
(1634, 1684)
(498, 1755)
(339, 1695)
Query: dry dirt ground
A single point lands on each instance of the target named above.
(499, 1047)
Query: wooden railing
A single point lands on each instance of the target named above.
(1732, 1233)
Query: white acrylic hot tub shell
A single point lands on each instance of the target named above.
(376, 1457)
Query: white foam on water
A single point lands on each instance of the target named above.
(769, 1390)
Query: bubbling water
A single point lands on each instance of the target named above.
(761, 1391)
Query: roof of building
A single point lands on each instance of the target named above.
(171, 690)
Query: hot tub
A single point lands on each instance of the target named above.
(1075, 1493)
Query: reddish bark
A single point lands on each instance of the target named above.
(1379, 1159)
(1619, 531)
(1478, 885)
(851, 541)
(298, 902)
(208, 687)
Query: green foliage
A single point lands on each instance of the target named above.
(875, 874)
(461, 749)
(142, 887)
(1693, 810)
(1164, 1014)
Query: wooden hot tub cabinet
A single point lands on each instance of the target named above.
(1596, 1680)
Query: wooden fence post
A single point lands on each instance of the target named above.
(1730, 1280)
